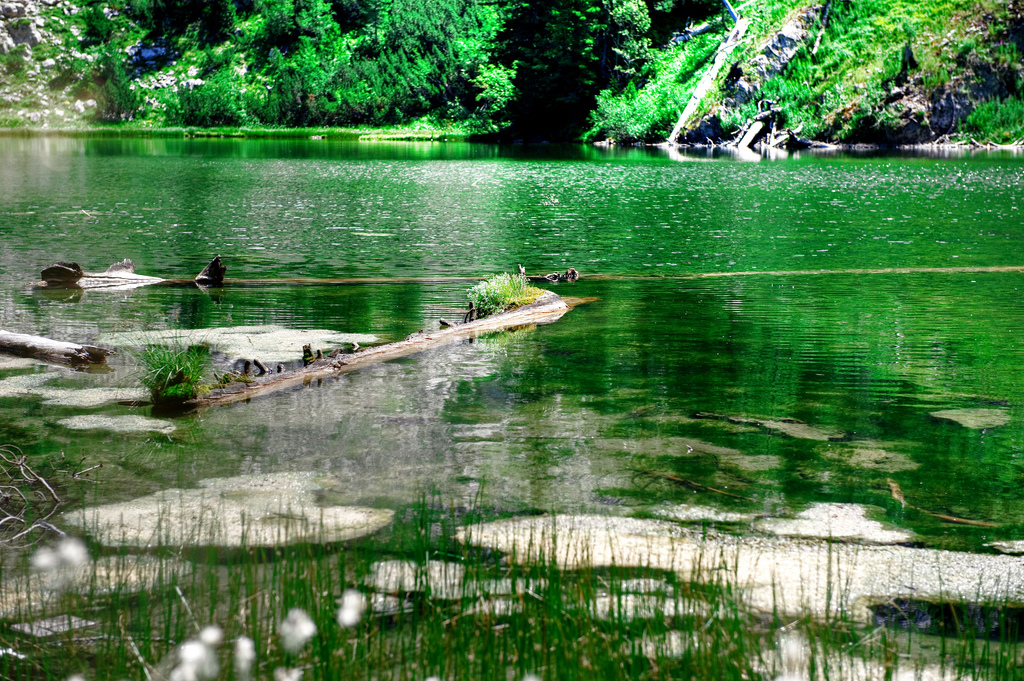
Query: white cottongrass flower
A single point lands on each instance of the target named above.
(197, 659)
(245, 655)
(285, 674)
(196, 662)
(76, 677)
(212, 635)
(58, 565)
(295, 630)
(352, 604)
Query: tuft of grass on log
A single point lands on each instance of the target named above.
(174, 374)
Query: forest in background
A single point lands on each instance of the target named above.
(895, 71)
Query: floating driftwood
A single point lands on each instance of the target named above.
(121, 275)
(49, 350)
(549, 307)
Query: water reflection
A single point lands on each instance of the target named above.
(669, 374)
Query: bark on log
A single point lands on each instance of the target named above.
(549, 307)
(48, 350)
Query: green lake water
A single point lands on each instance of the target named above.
(666, 370)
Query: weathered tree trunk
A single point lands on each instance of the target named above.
(548, 308)
(48, 350)
(212, 274)
(753, 132)
(724, 50)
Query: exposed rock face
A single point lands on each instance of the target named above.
(776, 55)
(19, 25)
(24, 33)
(911, 112)
(784, 45)
(708, 130)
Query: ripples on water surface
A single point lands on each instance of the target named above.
(654, 375)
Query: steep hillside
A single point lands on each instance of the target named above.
(854, 71)
(873, 71)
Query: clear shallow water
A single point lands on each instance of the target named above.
(567, 416)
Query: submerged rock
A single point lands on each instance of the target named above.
(1015, 547)
(34, 384)
(61, 624)
(110, 574)
(248, 510)
(794, 428)
(130, 423)
(7, 362)
(90, 397)
(872, 456)
(834, 521)
(694, 513)
(12, 386)
(974, 418)
(790, 427)
(270, 343)
(789, 576)
(630, 606)
(442, 579)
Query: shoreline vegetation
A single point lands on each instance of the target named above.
(890, 74)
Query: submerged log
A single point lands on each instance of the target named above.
(48, 350)
(549, 307)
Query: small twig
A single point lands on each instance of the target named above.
(897, 494)
(695, 485)
(83, 472)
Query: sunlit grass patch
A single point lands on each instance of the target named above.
(503, 292)
(174, 374)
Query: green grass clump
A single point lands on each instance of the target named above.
(174, 374)
(1000, 121)
(502, 292)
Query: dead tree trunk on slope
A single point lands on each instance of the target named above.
(724, 50)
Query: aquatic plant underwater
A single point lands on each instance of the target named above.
(415, 602)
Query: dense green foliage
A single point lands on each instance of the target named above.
(546, 70)
(1001, 120)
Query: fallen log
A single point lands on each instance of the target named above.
(121, 276)
(48, 350)
(724, 50)
(549, 307)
